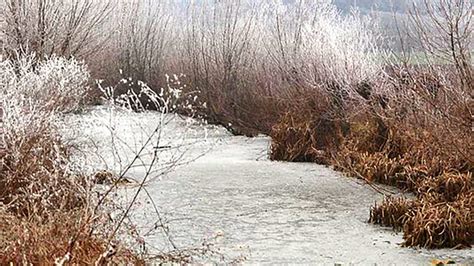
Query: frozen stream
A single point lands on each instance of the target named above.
(270, 212)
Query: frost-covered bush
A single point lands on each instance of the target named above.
(55, 84)
(34, 164)
(45, 27)
(313, 45)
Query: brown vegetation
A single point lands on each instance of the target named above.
(46, 208)
(413, 130)
(35, 240)
(424, 148)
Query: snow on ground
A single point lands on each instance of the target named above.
(233, 196)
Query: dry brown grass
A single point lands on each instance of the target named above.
(43, 206)
(391, 212)
(34, 178)
(441, 214)
(429, 222)
(443, 224)
(35, 240)
(294, 141)
(306, 133)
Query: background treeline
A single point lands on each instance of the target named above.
(377, 5)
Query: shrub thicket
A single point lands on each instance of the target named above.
(44, 205)
(413, 130)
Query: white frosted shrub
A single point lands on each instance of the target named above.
(316, 43)
(32, 94)
(57, 83)
(35, 169)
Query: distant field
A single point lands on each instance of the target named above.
(414, 58)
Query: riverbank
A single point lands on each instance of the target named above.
(268, 212)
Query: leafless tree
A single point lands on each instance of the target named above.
(444, 30)
(144, 38)
(433, 95)
(220, 45)
(48, 27)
